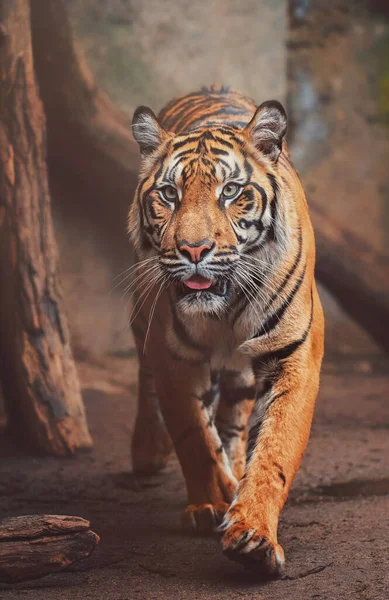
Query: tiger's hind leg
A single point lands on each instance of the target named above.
(151, 445)
(237, 393)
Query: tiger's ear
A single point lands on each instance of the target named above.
(147, 131)
(267, 128)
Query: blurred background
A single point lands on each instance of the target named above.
(328, 63)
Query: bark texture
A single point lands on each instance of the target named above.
(356, 274)
(93, 159)
(36, 545)
(37, 370)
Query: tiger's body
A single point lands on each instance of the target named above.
(228, 322)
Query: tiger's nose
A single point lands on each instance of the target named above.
(195, 252)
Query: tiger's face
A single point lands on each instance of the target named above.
(206, 202)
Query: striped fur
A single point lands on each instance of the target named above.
(235, 367)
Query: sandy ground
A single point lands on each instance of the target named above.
(334, 527)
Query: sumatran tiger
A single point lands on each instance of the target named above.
(227, 318)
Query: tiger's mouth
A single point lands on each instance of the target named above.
(197, 284)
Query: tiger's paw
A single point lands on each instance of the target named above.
(246, 544)
(203, 519)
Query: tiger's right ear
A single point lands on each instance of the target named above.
(147, 131)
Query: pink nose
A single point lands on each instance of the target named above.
(195, 252)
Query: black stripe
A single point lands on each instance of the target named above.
(236, 171)
(248, 168)
(285, 352)
(227, 130)
(254, 431)
(228, 110)
(234, 395)
(252, 438)
(273, 183)
(225, 164)
(223, 142)
(248, 207)
(184, 153)
(260, 189)
(224, 253)
(208, 398)
(191, 138)
(175, 103)
(276, 317)
(271, 234)
(275, 398)
(219, 151)
(291, 272)
(183, 116)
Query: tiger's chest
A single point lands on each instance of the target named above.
(212, 340)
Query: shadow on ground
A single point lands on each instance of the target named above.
(334, 528)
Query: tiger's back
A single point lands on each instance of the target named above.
(206, 107)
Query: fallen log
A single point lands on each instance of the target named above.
(37, 371)
(354, 273)
(36, 545)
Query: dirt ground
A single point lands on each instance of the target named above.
(334, 528)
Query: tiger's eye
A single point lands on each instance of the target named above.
(231, 190)
(170, 193)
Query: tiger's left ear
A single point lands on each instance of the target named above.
(147, 131)
(267, 128)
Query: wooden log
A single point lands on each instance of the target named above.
(354, 273)
(34, 546)
(37, 371)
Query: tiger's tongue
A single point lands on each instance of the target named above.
(197, 282)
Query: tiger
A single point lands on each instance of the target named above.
(227, 320)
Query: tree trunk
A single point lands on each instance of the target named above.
(354, 273)
(36, 545)
(93, 159)
(37, 370)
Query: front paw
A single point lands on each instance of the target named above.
(250, 544)
(203, 518)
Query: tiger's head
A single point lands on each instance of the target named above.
(206, 203)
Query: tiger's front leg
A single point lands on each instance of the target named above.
(186, 398)
(277, 440)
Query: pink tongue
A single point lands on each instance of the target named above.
(196, 282)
